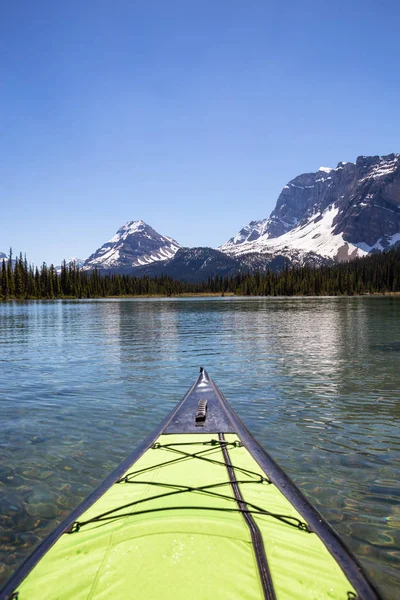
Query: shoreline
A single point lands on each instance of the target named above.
(199, 295)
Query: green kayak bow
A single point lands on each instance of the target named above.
(198, 511)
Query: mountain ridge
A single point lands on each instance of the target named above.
(135, 244)
(338, 213)
(331, 215)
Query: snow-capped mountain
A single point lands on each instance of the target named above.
(335, 214)
(77, 262)
(3, 256)
(135, 244)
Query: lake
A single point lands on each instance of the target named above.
(316, 380)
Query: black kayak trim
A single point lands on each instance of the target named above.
(256, 536)
(204, 387)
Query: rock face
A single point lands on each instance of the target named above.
(334, 214)
(135, 244)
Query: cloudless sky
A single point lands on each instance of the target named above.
(189, 114)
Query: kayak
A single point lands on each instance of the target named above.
(199, 510)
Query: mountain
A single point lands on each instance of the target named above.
(198, 264)
(139, 250)
(135, 244)
(192, 265)
(78, 262)
(333, 214)
(3, 256)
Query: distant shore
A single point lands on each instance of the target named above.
(200, 295)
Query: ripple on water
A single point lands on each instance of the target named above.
(315, 380)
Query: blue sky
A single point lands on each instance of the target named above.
(191, 115)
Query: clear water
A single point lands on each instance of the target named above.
(317, 381)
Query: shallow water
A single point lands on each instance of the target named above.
(316, 380)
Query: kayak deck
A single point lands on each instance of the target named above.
(157, 539)
(199, 511)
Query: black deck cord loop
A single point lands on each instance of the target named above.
(211, 460)
(185, 455)
(179, 489)
(212, 442)
(167, 463)
(256, 536)
(287, 519)
(78, 524)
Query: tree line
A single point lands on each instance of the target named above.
(376, 273)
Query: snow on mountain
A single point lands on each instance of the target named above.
(315, 235)
(336, 213)
(135, 244)
(77, 262)
(3, 256)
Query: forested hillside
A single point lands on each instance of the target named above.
(377, 273)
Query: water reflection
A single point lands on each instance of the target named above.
(316, 380)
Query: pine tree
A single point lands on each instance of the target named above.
(5, 291)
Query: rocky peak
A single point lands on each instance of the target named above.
(250, 232)
(134, 244)
(359, 204)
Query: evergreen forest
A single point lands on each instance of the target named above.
(375, 274)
